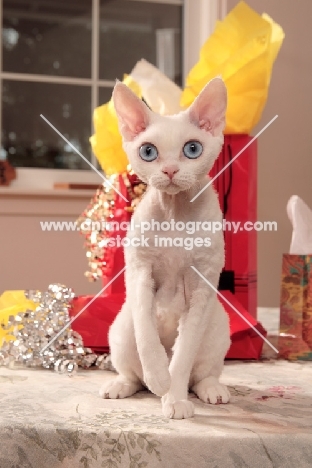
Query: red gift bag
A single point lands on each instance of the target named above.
(237, 189)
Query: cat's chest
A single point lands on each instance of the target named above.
(174, 237)
(171, 261)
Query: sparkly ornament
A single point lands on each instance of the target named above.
(44, 338)
(136, 189)
(98, 222)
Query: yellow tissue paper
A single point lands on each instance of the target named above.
(106, 142)
(242, 50)
(11, 303)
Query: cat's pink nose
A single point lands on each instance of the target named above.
(170, 171)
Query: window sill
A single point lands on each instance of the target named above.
(43, 203)
(16, 192)
(33, 179)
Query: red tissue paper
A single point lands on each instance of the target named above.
(94, 322)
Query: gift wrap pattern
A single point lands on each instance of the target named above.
(295, 339)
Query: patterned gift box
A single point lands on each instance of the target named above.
(295, 338)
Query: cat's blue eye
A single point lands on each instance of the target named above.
(148, 152)
(192, 149)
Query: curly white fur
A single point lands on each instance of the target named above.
(172, 333)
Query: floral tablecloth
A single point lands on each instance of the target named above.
(48, 420)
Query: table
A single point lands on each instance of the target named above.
(50, 420)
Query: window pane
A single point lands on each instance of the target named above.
(132, 30)
(28, 141)
(51, 37)
(105, 95)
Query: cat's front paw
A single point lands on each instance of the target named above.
(158, 382)
(210, 390)
(181, 409)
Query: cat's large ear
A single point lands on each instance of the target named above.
(208, 109)
(132, 113)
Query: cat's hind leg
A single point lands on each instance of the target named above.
(204, 380)
(125, 359)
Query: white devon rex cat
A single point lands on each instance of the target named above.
(172, 333)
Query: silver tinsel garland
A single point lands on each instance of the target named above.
(39, 341)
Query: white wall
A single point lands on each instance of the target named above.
(285, 149)
(31, 258)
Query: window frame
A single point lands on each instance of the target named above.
(195, 30)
